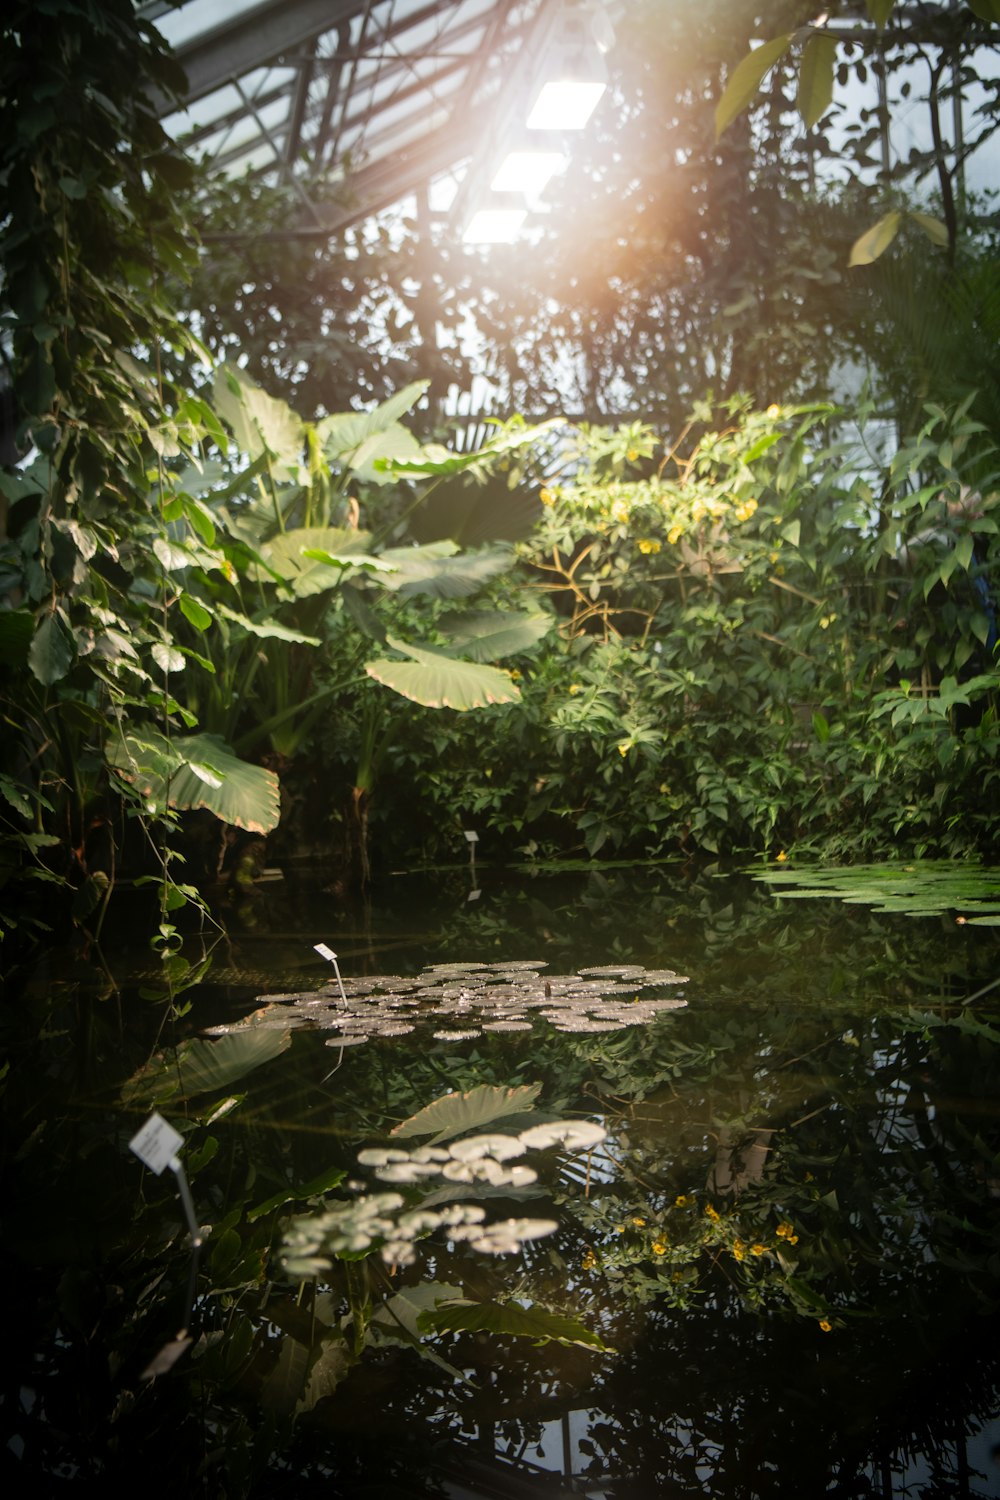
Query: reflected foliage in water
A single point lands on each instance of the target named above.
(774, 1264)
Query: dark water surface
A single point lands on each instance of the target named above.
(777, 1275)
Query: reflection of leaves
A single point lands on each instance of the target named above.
(453, 1114)
(286, 1383)
(537, 1323)
(198, 1067)
(331, 1365)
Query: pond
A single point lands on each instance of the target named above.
(718, 1217)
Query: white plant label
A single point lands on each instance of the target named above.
(156, 1144)
(473, 838)
(325, 952)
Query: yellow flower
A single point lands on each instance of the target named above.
(682, 1200)
(515, 674)
(711, 1213)
(546, 496)
(624, 748)
(774, 412)
(639, 1223)
(619, 1229)
(674, 534)
(659, 1248)
(589, 1260)
(758, 1250)
(781, 856)
(744, 511)
(785, 1230)
(825, 1324)
(739, 1250)
(575, 688)
(632, 455)
(646, 546)
(793, 1239)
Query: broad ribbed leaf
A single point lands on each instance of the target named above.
(815, 95)
(286, 554)
(870, 245)
(435, 570)
(267, 630)
(439, 681)
(746, 79)
(180, 773)
(345, 431)
(510, 1318)
(483, 635)
(200, 1067)
(454, 1114)
(260, 423)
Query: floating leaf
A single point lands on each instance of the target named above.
(453, 1114)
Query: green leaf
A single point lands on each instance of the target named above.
(199, 1066)
(436, 571)
(167, 658)
(484, 635)
(819, 57)
(180, 773)
(287, 554)
(194, 612)
(870, 245)
(439, 681)
(454, 1114)
(268, 630)
(53, 649)
(746, 79)
(963, 551)
(344, 432)
(200, 519)
(170, 556)
(285, 1386)
(880, 11)
(935, 229)
(511, 1318)
(261, 424)
(14, 795)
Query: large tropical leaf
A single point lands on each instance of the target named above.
(440, 681)
(462, 1316)
(434, 460)
(453, 1114)
(437, 571)
(483, 635)
(199, 1066)
(340, 549)
(198, 771)
(342, 434)
(471, 512)
(261, 424)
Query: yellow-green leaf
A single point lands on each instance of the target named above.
(880, 11)
(935, 229)
(815, 95)
(879, 237)
(746, 79)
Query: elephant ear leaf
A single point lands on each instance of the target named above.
(198, 771)
(439, 681)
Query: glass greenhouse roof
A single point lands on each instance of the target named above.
(386, 94)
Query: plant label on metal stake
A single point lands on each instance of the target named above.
(331, 958)
(156, 1144)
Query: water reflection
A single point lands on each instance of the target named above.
(788, 1238)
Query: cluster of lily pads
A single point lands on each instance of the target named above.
(386, 1223)
(470, 999)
